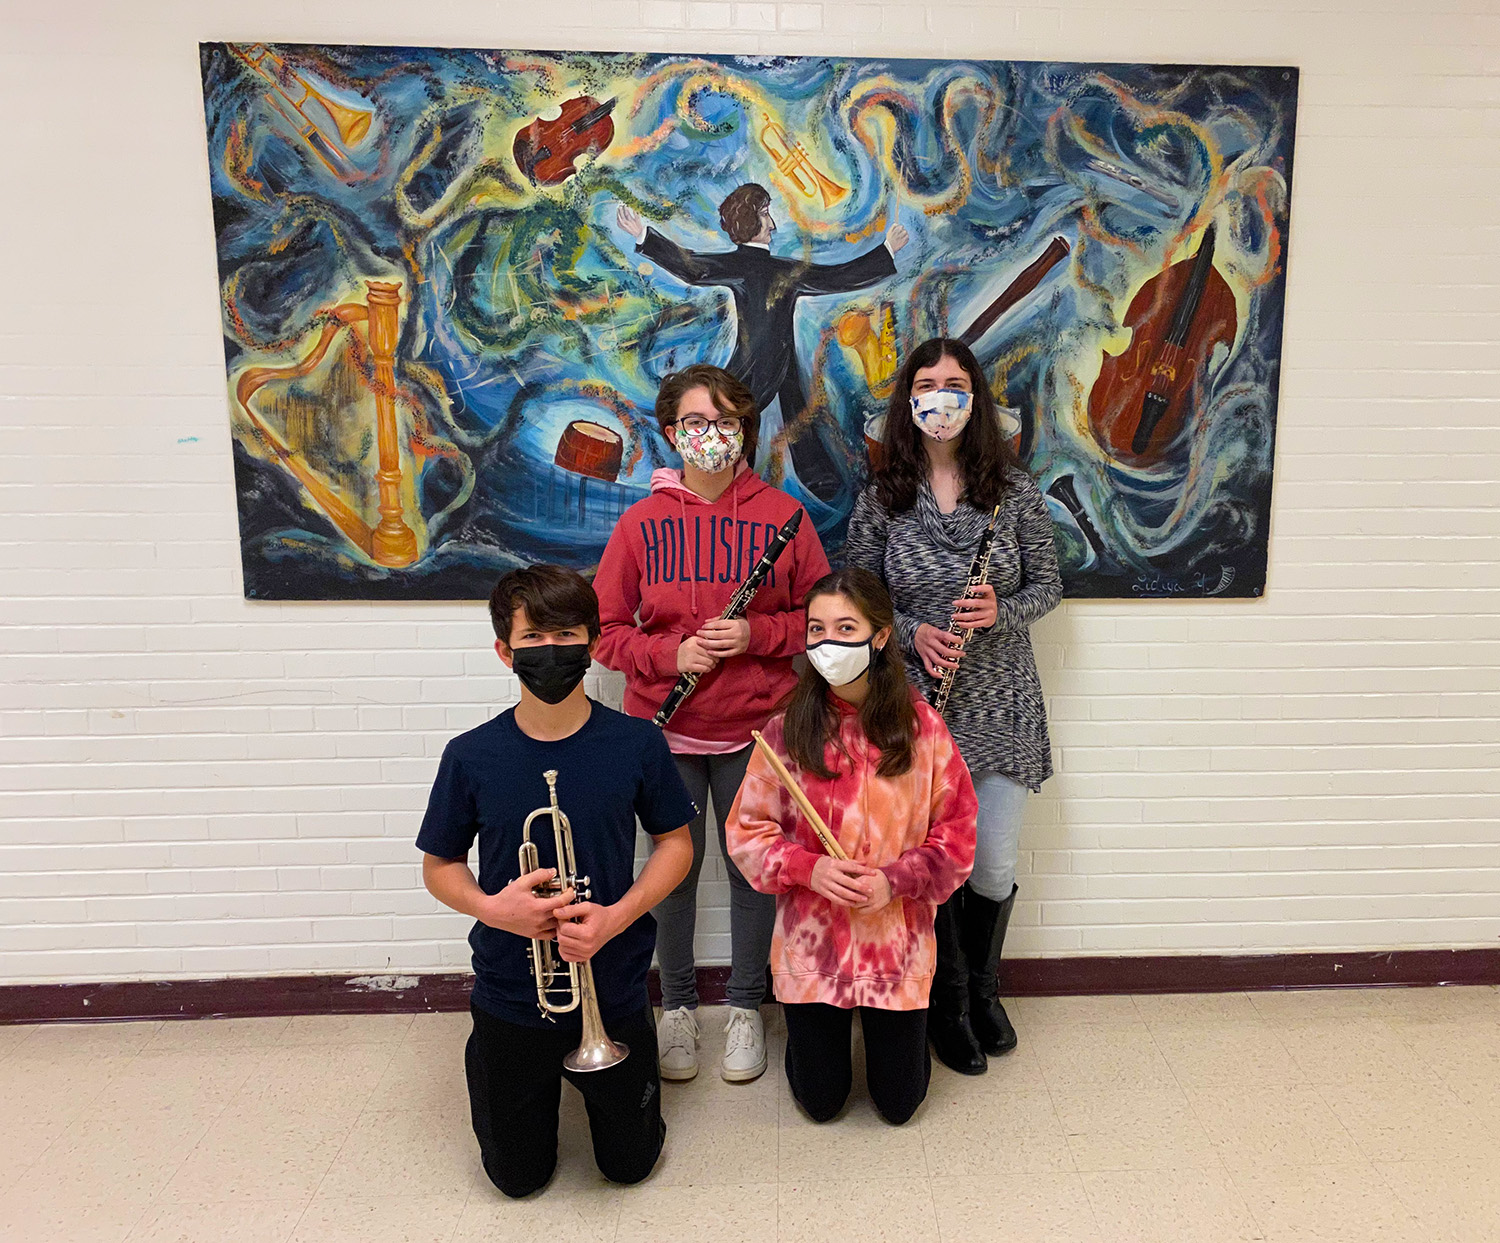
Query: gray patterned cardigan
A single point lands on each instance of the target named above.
(995, 712)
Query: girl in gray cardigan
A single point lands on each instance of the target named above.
(945, 464)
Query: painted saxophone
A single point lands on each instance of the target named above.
(979, 573)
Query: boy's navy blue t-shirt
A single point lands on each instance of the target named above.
(614, 769)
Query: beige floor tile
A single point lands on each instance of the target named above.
(1037, 1208)
(1018, 1071)
(1461, 1003)
(1452, 1200)
(1112, 1055)
(568, 1216)
(1483, 1098)
(451, 1028)
(421, 1076)
(204, 1035)
(24, 1137)
(1326, 1204)
(317, 1078)
(1407, 1122)
(1458, 1051)
(1157, 1008)
(815, 1210)
(110, 1156)
(342, 1029)
(259, 1153)
(13, 1034)
(1169, 1206)
(405, 1152)
(50, 1040)
(1314, 1004)
(722, 1213)
(1283, 1124)
(178, 1082)
(380, 1219)
(718, 1141)
(858, 1145)
(48, 1214)
(243, 1221)
(1040, 1012)
(1354, 1050)
(1133, 1129)
(984, 1136)
(57, 1089)
(1232, 1052)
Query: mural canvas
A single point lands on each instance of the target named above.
(452, 281)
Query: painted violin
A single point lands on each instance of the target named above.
(1146, 395)
(546, 151)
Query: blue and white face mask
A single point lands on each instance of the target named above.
(942, 413)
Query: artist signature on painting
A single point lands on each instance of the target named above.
(1201, 584)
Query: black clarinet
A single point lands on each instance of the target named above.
(687, 683)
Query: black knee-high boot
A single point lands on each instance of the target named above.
(984, 922)
(948, 1028)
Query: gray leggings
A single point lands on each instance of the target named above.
(752, 916)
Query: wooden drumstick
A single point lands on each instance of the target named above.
(830, 843)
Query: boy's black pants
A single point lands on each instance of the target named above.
(515, 1087)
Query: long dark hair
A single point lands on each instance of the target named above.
(887, 716)
(984, 453)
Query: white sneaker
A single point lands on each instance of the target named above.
(677, 1044)
(744, 1046)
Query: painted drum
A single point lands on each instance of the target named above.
(590, 449)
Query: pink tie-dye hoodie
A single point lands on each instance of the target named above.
(918, 828)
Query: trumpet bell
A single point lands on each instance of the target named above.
(600, 1055)
(353, 123)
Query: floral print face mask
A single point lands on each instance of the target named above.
(711, 451)
(942, 413)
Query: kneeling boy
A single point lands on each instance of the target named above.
(611, 769)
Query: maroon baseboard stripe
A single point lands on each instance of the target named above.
(1233, 973)
(262, 996)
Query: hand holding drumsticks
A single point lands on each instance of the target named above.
(838, 878)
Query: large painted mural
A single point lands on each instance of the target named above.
(452, 281)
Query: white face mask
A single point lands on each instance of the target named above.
(942, 413)
(841, 663)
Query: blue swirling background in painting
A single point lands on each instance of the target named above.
(528, 308)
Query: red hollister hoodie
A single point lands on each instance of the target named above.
(673, 561)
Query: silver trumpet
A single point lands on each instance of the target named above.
(596, 1051)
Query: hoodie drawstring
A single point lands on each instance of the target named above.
(682, 506)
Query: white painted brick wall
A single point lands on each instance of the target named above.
(196, 785)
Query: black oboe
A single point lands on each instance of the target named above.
(687, 683)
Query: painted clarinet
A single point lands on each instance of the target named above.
(687, 683)
(979, 573)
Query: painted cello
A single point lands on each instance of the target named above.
(1146, 395)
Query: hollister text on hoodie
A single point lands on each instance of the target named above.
(672, 563)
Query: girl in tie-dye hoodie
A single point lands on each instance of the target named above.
(879, 766)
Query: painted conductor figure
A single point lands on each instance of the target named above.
(766, 288)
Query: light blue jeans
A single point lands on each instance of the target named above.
(1002, 807)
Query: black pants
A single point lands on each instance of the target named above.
(515, 1087)
(819, 1059)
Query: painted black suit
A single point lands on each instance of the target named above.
(765, 290)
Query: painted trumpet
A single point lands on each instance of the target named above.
(574, 986)
(290, 95)
(793, 163)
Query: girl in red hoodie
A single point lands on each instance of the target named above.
(670, 567)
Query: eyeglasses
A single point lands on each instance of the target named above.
(696, 425)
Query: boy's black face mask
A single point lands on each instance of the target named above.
(552, 670)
